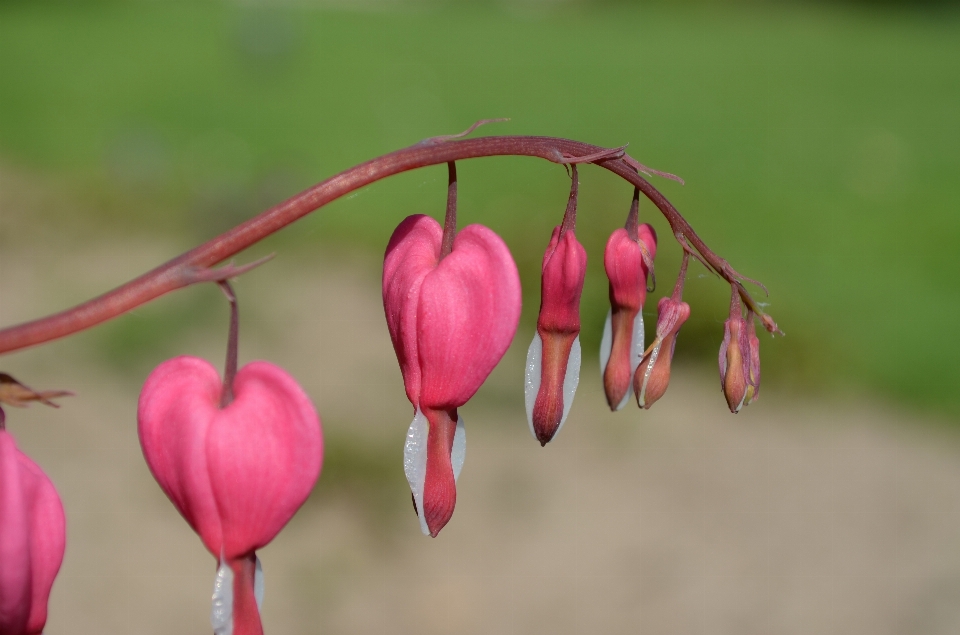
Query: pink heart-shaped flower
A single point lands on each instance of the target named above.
(236, 474)
(32, 540)
(450, 321)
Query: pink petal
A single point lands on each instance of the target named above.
(47, 539)
(32, 540)
(178, 402)
(412, 253)
(440, 478)
(237, 475)
(468, 314)
(264, 451)
(564, 269)
(15, 574)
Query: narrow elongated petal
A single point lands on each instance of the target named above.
(432, 462)
(47, 539)
(236, 474)
(32, 540)
(653, 374)
(16, 576)
(177, 404)
(627, 270)
(412, 253)
(551, 355)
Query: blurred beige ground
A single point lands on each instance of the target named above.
(792, 517)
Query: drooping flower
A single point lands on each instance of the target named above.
(739, 358)
(553, 360)
(237, 473)
(32, 540)
(450, 320)
(653, 373)
(628, 262)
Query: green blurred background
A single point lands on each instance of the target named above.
(819, 143)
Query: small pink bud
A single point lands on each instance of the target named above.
(450, 321)
(237, 474)
(32, 540)
(627, 263)
(734, 362)
(653, 373)
(553, 360)
(740, 361)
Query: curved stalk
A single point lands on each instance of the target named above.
(188, 268)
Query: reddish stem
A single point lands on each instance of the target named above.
(681, 277)
(633, 217)
(233, 343)
(450, 219)
(570, 214)
(175, 274)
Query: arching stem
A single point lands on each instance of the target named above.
(180, 271)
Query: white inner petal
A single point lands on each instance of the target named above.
(258, 583)
(533, 374)
(642, 398)
(636, 344)
(636, 355)
(606, 343)
(221, 614)
(459, 450)
(415, 463)
(571, 379)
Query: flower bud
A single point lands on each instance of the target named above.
(553, 360)
(653, 373)
(621, 348)
(734, 362)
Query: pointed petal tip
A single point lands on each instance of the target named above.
(543, 437)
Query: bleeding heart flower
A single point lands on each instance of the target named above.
(553, 360)
(238, 473)
(450, 321)
(653, 373)
(32, 540)
(627, 262)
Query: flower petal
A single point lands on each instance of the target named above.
(178, 401)
(264, 451)
(412, 253)
(467, 317)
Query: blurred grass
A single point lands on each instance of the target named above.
(819, 144)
